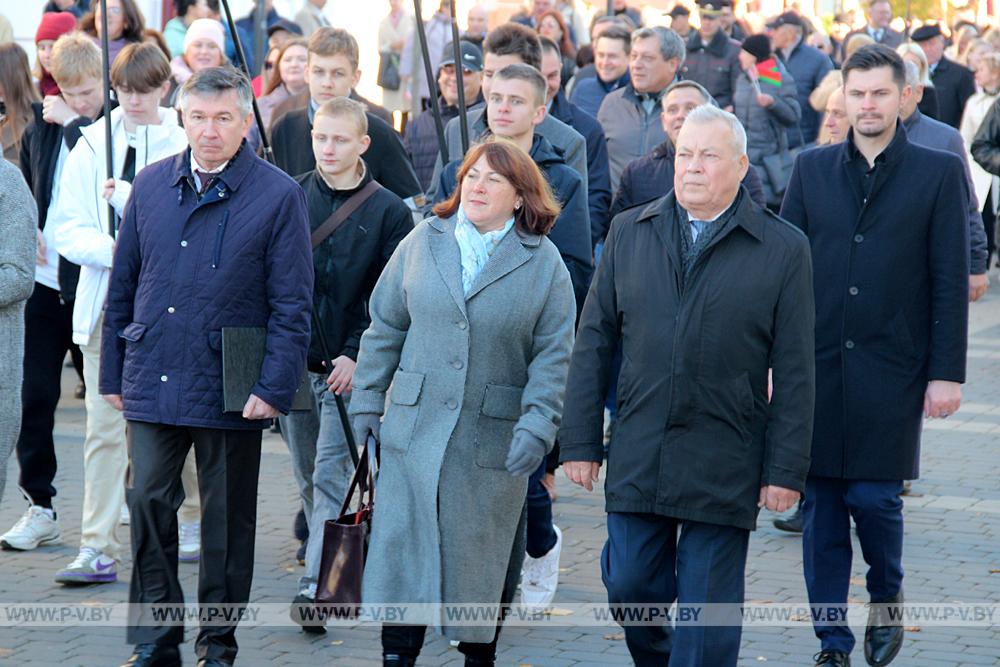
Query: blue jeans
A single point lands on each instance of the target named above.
(322, 466)
(541, 534)
(826, 546)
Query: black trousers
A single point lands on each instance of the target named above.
(228, 466)
(48, 335)
(990, 224)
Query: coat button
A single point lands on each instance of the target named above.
(452, 404)
(853, 291)
(170, 310)
(462, 325)
(858, 238)
(184, 244)
(163, 378)
(849, 344)
(458, 364)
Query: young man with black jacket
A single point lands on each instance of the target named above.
(332, 72)
(76, 67)
(347, 259)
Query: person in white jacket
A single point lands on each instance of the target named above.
(142, 133)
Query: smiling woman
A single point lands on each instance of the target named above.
(125, 24)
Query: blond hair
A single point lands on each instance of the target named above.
(75, 58)
(344, 107)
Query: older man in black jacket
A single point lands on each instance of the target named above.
(887, 221)
(712, 57)
(954, 83)
(697, 448)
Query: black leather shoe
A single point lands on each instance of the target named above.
(154, 655)
(393, 660)
(832, 659)
(884, 634)
(214, 662)
(478, 662)
(792, 524)
(308, 614)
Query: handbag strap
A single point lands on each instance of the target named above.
(343, 213)
(363, 478)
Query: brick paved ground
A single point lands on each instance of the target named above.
(952, 554)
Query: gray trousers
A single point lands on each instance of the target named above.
(228, 465)
(322, 466)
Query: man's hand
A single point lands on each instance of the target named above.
(978, 284)
(942, 399)
(765, 100)
(341, 379)
(777, 498)
(256, 408)
(582, 473)
(40, 251)
(55, 110)
(115, 400)
(109, 189)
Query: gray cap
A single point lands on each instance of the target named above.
(472, 56)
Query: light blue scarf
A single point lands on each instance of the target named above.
(475, 248)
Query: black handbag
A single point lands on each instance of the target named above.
(388, 70)
(345, 541)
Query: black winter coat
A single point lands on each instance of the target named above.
(348, 263)
(695, 437)
(715, 66)
(892, 298)
(954, 85)
(652, 176)
(421, 142)
(598, 170)
(387, 160)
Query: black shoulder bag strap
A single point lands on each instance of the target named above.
(343, 213)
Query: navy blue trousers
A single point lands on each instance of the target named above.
(541, 534)
(829, 506)
(655, 560)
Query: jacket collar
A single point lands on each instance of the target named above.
(328, 191)
(891, 153)
(717, 47)
(234, 173)
(662, 211)
(514, 250)
(663, 151)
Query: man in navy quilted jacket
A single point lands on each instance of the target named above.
(213, 237)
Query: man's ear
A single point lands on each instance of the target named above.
(366, 142)
(357, 77)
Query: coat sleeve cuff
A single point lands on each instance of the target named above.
(786, 479)
(538, 426)
(280, 403)
(580, 450)
(366, 401)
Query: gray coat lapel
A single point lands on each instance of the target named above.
(447, 258)
(511, 253)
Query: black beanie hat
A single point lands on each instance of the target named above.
(759, 46)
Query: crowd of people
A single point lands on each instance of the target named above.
(729, 256)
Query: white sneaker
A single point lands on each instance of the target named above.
(124, 517)
(36, 527)
(189, 538)
(89, 567)
(540, 577)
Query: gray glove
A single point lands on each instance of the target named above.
(526, 454)
(362, 425)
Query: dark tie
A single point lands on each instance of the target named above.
(205, 179)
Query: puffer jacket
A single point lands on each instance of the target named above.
(185, 267)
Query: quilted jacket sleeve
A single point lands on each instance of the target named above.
(289, 285)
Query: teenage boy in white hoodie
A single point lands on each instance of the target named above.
(142, 133)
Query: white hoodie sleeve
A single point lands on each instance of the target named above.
(81, 233)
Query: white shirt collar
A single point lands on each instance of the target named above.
(195, 168)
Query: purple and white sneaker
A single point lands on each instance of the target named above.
(89, 567)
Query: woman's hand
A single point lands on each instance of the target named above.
(525, 455)
(365, 424)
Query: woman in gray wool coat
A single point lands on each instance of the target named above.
(471, 333)
(18, 231)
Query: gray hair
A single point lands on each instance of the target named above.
(912, 74)
(707, 113)
(671, 44)
(688, 83)
(915, 50)
(214, 81)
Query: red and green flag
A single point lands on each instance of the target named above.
(768, 72)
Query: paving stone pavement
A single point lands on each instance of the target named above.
(952, 554)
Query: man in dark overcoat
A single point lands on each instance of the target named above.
(954, 83)
(211, 238)
(703, 290)
(887, 223)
